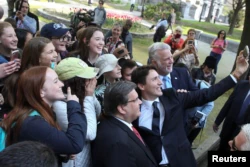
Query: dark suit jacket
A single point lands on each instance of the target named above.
(180, 79)
(231, 109)
(117, 146)
(173, 137)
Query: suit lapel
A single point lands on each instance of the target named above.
(133, 137)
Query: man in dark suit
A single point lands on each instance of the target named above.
(230, 114)
(161, 57)
(169, 144)
(118, 143)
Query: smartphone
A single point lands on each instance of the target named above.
(177, 36)
(15, 55)
(246, 51)
(190, 42)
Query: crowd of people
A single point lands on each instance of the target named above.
(77, 98)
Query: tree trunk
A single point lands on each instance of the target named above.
(245, 36)
(210, 11)
(233, 23)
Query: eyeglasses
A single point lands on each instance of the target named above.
(65, 38)
(234, 148)
(135, 100)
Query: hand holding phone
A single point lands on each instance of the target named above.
(190, 42)
(246, 51)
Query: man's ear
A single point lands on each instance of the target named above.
(120, 109)
(140, 86)
(154, 63)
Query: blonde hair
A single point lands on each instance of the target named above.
(4, 25)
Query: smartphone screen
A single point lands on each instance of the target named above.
(190, 42)
(246, 51)
(15, 55)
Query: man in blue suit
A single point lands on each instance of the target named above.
(161, 57)
(161, 121)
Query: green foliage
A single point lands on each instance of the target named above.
(154, 12)
(239, 18)
(115, 1)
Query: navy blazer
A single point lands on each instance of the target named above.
(180, 79)
(231, 109)
(173, 137)
(117, 146)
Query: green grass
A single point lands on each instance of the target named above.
(33, 9)
(210, 28)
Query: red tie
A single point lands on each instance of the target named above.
(137, 134)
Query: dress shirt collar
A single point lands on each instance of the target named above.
(126, 123)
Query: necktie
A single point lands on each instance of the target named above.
(156, 119)
(167, 82)
(137, 134)
(243, 110)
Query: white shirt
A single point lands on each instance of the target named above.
(126, 123)
(146, 119)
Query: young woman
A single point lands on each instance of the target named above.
(39, 51)
(111, 72)
(114, 41)
(218, 46)
(82, 82)
(90, 45)
(187, 55)
(8, 43)
(38, 88)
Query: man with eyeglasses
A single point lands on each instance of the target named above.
(100, 14)
(118, 143)
(59, 35)
(24, 21)
(241, 142)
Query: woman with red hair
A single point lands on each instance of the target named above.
(38, 88)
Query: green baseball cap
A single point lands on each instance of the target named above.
(74, 67)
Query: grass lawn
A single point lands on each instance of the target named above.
(210, 28)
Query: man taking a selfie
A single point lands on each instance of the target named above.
(23, 20)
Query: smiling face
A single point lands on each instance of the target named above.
(60, 43)
(163, 62)
(48, 55)
(116, 31)
(115, 73)
(52, 88)
(152, 89)
(96, 43)
(8, 39)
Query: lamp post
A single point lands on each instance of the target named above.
(202, 10)
(142, 9)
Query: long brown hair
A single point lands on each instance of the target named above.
(32, 52)
(82, 47)
(28, 99)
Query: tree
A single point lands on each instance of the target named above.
(210, 11)
(245, 36)
(237, 6)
